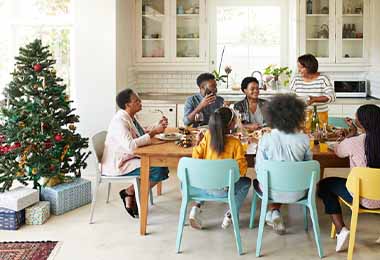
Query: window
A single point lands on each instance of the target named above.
(251, 34)
(24, 20)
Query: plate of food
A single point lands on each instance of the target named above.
(260, 132)
(169, 136)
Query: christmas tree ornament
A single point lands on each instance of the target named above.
(35, 86)
(72, 127)
(67, 98)
(34, 171)
(20, 174)
(58, 138)
(37, 67)
(21, 124)
(48, 144)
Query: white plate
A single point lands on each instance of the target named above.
(168, 136)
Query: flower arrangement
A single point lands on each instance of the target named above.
(227, 69)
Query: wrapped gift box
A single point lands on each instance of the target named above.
(10, 219)
(67, 196)
(19, 198)
(38, 213)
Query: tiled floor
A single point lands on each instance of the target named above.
(115, 235)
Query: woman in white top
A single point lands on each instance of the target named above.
(316, 88)
(124, 135)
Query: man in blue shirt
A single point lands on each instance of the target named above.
(199, 107)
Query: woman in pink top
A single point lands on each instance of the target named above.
(363, 151)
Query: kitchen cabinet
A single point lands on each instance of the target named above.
(180, 114)
(171, 32)
(335, 31)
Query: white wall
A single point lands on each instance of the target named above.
(94, 65)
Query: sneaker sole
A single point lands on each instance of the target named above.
(194, 224)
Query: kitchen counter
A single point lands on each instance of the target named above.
(233, 96)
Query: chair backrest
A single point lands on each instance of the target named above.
(369, 182)
(98, 144)
(288, 176)
(207, 174)
(337, 122)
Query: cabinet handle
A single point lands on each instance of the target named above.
(170, 109)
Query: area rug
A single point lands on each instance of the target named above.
(38, 250)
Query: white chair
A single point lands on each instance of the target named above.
(98, 148)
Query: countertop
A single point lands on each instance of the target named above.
(179, 98)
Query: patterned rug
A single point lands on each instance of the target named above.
(42, 250)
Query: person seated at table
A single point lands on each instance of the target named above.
(250, 108)
(124, 135)
(285, 114)
(199, 107)
(363, 151)
(215, 145)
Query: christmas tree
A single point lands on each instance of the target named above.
(38, 137)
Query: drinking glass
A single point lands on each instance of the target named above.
(199, 117)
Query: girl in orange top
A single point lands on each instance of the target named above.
(215, 145)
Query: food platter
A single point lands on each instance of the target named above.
(169, 136)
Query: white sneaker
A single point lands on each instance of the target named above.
(342, 240)
(268, 218)
(278, 223)
(227, 221)
(194, 219)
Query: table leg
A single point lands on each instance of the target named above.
(159, 188)
(144, 195)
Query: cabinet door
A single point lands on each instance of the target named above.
(318, 29)
(152, 38)
(352, 31)
(152, 113)
(189, 30)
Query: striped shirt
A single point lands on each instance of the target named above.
(354, 149)
(321, 86)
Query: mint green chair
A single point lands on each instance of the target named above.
(337, 122)
(287, 177)
(208, 174)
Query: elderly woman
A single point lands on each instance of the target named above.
(124, 135)
(315, 87)
(251, 106)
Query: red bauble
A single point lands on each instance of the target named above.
(48, 144)
(51, 168)
(37, 67)
(58, 138)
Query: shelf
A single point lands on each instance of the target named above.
(158, 18)
(317, 39)
(317, 15)
(188, 15)
(352, 39)
(153, 39)
(352, 15)
(187, 39)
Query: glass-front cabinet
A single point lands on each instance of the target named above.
(335, 31)
(171, 31)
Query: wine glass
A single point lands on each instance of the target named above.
(199, 117)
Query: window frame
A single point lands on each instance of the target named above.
(284, 34)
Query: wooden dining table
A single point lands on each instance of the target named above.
(168, 154)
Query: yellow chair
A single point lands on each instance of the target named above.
(362, 182)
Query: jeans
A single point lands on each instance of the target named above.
(329, 190)
(241, 190)
(156, 174)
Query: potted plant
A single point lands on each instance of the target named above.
(274, 74)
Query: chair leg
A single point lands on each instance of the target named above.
(253, 210)
(151, 196)
(136, 185)
(93, 201)
(333, 231)
(263, 212)
(354, 222)
(317, 234)
(305, 220)
(235, 223)
(181, 224)
(108, 192)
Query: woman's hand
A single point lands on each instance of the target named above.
(164, 121)
(158, 129)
